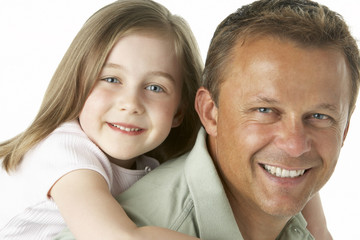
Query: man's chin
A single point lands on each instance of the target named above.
(285, 213)
(284, 209)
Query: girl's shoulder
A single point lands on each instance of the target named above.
(67, 138)
(72, 128)
(66, 149)
(68, 144)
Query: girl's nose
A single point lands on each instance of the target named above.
(130, 101)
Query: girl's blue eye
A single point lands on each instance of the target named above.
(155, 88)
(111, 80)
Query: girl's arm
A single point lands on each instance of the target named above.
(314, 214)
(91, 212)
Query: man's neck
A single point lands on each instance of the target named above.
(253, 223)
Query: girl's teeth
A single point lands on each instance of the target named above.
(126, 129)
(283, 173)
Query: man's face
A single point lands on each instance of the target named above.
(281, 120)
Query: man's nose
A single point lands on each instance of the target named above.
(293, 138)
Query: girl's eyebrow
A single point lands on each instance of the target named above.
(152, 73)
(113, 65)
(162, 74)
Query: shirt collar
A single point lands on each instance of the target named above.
(213, 211)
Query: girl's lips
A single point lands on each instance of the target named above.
(128, 129)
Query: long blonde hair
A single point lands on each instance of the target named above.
(79, 69)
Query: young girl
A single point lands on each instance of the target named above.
(124, 88)
(121, 97)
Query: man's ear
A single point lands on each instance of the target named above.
(179, 116)
(347, 126)
(207, 110)
(345, 132)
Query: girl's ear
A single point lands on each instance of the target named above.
(207, 110)
(179, 116)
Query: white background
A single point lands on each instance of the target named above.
(35, 34)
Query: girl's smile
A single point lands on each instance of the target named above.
(136, 100)
(127, 129)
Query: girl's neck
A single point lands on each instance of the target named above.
(128, 164)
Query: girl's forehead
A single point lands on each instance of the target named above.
(145, 52)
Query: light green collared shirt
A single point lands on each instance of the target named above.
(186, 195)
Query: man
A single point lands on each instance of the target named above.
(280, 84)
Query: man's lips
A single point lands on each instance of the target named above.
(283, 172)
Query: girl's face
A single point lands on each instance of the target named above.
(136, 100)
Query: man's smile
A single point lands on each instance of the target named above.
(282, 172)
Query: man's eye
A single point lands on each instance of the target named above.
(155, 88)
(111, 80)
(321, 120)
(264, 110)
(320, 116)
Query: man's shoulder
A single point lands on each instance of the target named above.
(169, 176)
(148, 201)
(295, 229)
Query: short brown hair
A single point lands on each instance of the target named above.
(304, 22)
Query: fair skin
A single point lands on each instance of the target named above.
(134, 105)
(130, 111)
(285, 110)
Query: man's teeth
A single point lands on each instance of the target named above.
(126, 129)
(283, 173)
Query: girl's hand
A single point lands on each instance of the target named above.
(314, 214)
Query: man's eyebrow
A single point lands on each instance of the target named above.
(263, 99)
(327, 106)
